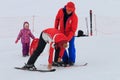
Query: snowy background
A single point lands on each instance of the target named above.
(101, 51)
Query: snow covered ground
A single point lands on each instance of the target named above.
(101, 51)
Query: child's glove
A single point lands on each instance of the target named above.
(16, 41)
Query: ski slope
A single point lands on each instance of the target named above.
(101, 51)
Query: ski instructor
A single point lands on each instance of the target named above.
(67, 21)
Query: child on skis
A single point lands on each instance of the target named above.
(56, 39)
(25, 35)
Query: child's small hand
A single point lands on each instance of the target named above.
(49, 66)
(16, 41)
(65, 45)
(59, 59)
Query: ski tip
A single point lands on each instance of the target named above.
(85, 64)
(17, 68)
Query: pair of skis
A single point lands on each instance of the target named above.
(52, 70)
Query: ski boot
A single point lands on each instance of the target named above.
(55, 64)
(29, 67)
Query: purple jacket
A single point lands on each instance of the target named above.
(25, 35)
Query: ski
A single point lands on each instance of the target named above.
(76, 65)
(37, 70)
(81, 65)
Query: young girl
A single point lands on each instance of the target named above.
(25, 35)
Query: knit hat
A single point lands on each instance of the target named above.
(25, 23)
(70, 6)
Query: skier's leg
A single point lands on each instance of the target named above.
(65, 57)
(27, 48)
(57, 50)
(72, 51)
(38, 51)
(24, 49)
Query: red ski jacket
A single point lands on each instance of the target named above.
(56, 37)
(71, 24)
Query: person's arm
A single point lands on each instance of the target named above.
(57, 19)
(51, 50)
(74, 28)
(62, 45)
(31, 35)
(19, 36)
(61, 54)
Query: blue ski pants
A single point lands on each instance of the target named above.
(70, 56)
